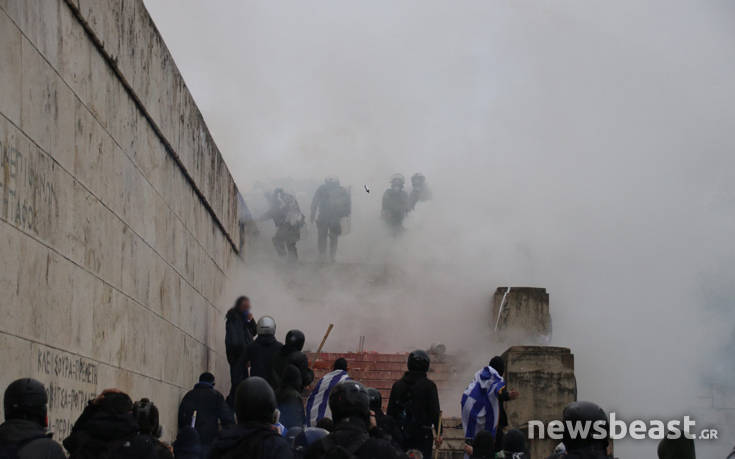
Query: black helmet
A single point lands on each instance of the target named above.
(25, 398)
(418, 360)
(483, 445)
(582, 412)
(514, 441)
(376, 399)
(349, 398)
(255, 401)
(295, 340)
(146, 413)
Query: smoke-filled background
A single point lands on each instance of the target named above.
(587, 147)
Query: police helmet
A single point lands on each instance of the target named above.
(295, 339)
(266, 326)
(349, 398)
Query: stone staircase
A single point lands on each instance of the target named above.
(380, 371)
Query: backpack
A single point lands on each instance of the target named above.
(339, 201)
(11, 450)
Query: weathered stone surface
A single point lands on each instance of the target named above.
(112, 262)
(544, 376)
(10, 69)
(520, 315)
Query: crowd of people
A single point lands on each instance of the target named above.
(330, 207)
(268, 414)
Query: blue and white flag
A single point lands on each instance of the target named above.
(480, 406)
(317, 405)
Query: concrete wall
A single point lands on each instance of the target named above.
(521, 315)
(117, 212)
(544, 376)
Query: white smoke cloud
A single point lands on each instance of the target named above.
(585, 147)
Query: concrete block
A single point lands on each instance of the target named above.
(39, 21)
(75, 50)
(10, 69)
(85, 290)
(520, 315)
(52, 319)
(109, 324)
(46, 104)
(10, 301)
(544, 376)
(16, 355)
(105, 18)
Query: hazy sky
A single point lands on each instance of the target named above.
(584, 146)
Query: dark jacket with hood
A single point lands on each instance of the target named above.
(252, 441)
(351, 435)
(387, 429)
(106, 429)
(238, 334)
(289, 398)
(187, 445)
(260, 355)
(418, 395)
(289, 356)
(212, 411)
(29, 439)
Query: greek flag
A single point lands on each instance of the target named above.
(317, 405)
(480, 407)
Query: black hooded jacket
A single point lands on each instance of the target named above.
(212, 411)
(238, 334)
(423, 399)
(288, 356)
(97, 430)
(387, 429)
(351, 434)
(29, 439)
(251, 440)
(260, 355)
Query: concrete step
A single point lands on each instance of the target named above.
(376, 370)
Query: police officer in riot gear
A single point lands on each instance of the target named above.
(414, 404)
(395, 204)
(287, 216)
(254, 435)
(419, 190)
(290, 354)
(350, 406)
(24, 433)
(330, 205)
(259, 353)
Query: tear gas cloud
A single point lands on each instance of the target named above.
(584, 147)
